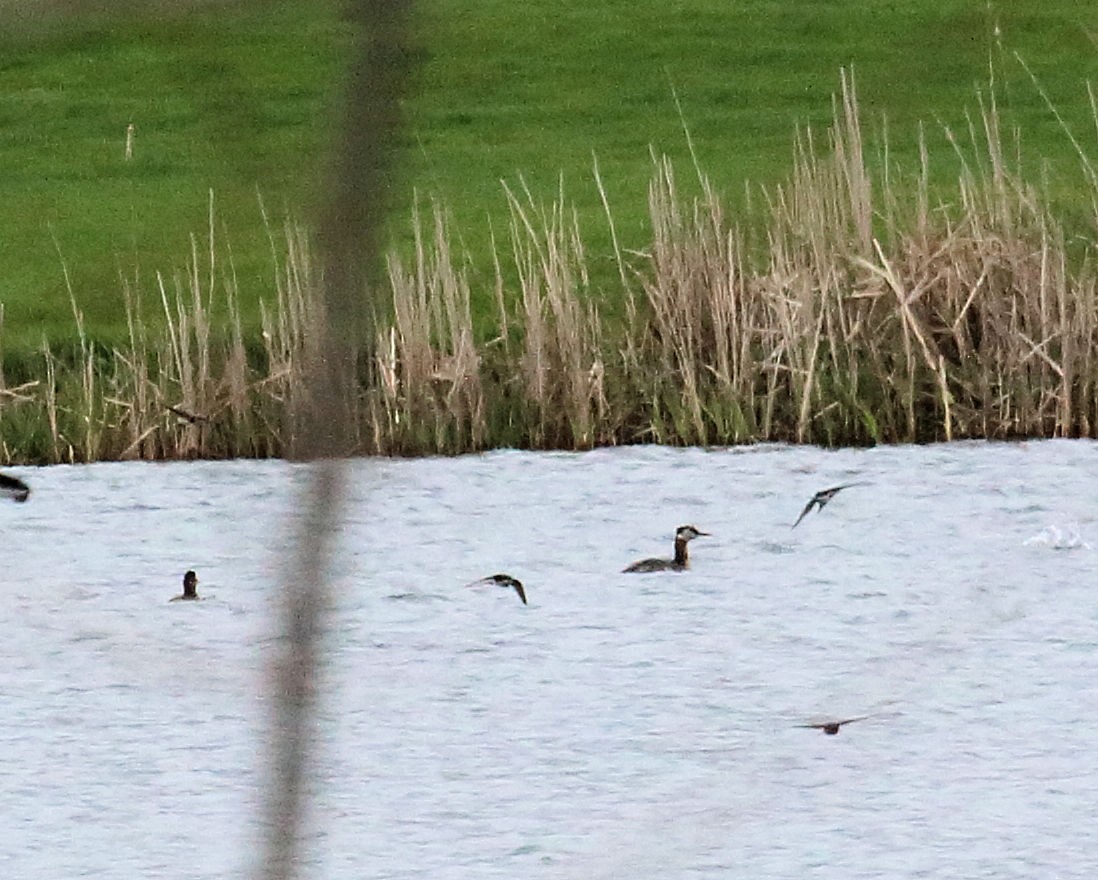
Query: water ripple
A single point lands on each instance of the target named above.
(618, 724)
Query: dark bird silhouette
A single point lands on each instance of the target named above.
(683, 536)
(189, 417)
(190, 588)
(832, 727)
(503, 580)
(14, 488)
(821, 498)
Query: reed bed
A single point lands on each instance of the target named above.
(853, 307)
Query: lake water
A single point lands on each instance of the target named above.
(620, 725)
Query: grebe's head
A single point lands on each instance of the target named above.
(190, 584)
(688, 533)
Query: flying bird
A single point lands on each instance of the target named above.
(14, 488)
(832, 727)
(503, 580)
(188, 417)
(821, 498)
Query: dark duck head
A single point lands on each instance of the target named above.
(190, 587)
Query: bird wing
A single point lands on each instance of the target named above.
(850, 720)
(830, 493)
(804, 512)
(823, 725)
(822, 497)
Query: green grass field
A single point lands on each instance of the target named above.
(241, 102)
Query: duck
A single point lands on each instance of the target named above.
(190, 588)
(14, 488)
(505, 581)
(683, 536)
(821, 498)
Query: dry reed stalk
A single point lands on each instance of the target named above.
(562, 368)
(676, 297)
(235, 379)
(825, 339)
(50, 404)
(140, 417)
(290, 338)
(427, 359)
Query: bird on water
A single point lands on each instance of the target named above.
(14, 488)
(821, 498)
(190, 588)
(681, 561)
(503, 580)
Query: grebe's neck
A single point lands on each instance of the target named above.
(681, 556)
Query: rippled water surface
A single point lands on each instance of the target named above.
(617, 726)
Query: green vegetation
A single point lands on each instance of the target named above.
(239, 98)
(523, 320)
(233, 101)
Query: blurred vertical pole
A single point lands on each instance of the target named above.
(348, 241)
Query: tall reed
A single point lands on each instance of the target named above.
(856, 306)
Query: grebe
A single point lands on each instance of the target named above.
(683, 536)
(832, 727)
(190, 588)
(503, 580)
(821, 498)
(14, 488)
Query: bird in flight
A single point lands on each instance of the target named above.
(832, 727)
(821, 498)
(503, 580)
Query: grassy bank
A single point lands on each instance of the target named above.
(237, 99)
(869, 306)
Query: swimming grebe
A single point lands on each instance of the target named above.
(14, 488)
(190, 587)
(503, 580)
(832, 727)
(821, 498)
(683, 536)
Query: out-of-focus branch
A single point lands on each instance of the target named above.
(348, 243)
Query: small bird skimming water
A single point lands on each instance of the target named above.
(503, 580)
(832, 727)
(821, 498)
